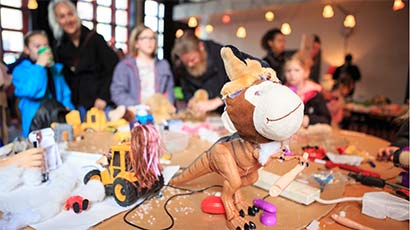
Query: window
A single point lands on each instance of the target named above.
(110, 18)
(154, 19)
(12, 28)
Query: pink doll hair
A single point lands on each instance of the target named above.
(145, 150)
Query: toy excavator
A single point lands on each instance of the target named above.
(128, 176)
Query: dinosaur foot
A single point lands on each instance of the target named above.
(246, 209)
(239, 223)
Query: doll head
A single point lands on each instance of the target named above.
(145, 153)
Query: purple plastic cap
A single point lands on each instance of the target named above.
(268, 219)
(264, 205)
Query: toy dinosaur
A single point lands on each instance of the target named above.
(264, 114)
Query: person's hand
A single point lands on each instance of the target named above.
(100, 104)
(205, 106)
(305, 122)
(386, 154)
(31, 158)
(44, 59)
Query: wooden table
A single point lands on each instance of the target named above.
(187, 213)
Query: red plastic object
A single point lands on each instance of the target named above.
(341, 150)
(213, 205)
(351, 168)
(314, 152)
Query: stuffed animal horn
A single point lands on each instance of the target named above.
(242, 73)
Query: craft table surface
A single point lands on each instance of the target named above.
(187, 213)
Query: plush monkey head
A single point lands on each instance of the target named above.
(261, 109)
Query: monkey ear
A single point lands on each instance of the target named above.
(227, 122)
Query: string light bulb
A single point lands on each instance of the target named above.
(226, 19)
(328, 11)
(198, 32)
(269, 16)
(179, 33)
(192, 22)
(32, 4)
(209, 28)
(241, 32)
(285, 29)
(349, 21)
(398, 5)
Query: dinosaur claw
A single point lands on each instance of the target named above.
(252, 225)
(242, 213)
(246, 226)
(255, 209)
(238, 228)
(251, 212)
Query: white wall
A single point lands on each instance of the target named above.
(379, 42)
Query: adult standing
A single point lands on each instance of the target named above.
(347, 71)
(316, 54)
(88, 60)
(274, 42)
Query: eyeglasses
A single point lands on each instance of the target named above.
(146, 38)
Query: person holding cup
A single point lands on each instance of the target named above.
(36, 77)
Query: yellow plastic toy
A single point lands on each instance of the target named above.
(95, 121)
(117, 180)
(128, 176)
(73, 118)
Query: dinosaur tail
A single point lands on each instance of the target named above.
(196, 169)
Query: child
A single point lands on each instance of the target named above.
(36, 77)
(139, 76)
(297, 71)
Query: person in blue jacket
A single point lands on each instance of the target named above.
(35, 76)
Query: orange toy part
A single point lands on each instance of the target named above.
(264, 114)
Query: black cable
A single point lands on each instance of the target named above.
(165, 204)
(264, 198)
(132, 209)
(183, 194)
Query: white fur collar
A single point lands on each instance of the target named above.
(267, 149)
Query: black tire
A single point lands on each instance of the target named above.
(76, 207)
(92, 175)
(125, 192)
(85, 204)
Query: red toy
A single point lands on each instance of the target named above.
(213, 205)
(351, 168)
(78, 204)
(315, 152)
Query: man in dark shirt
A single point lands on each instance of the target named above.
(274, 43)
(199, 65)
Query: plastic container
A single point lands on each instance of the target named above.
(175, 142)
